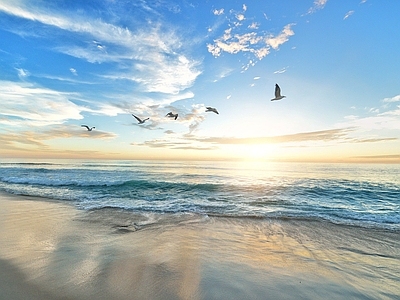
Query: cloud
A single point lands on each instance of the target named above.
(374, 140)
(283, 70)
(73, 71)
(393, 99)
(190, 141)
(348, 14)
(281, 38)
(176, 144)
(31, 141)
(64, 131)
(251, 42)
(318, 4)
(240, 17)
(382, 118)
(389, 156)
(22, 73)
(153, 56)
(254, 25)
(323, 135)
(218, 12)
(26, 104)
(238, 39)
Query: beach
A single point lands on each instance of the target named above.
(51, 250)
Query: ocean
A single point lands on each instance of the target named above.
(362, 195)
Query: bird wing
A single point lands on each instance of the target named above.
(136, 118)
(176, 116)
(277, 91)
(85, 126)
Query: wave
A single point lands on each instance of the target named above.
(158, 216)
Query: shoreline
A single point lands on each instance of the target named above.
(51, 250)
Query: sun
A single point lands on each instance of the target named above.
(256, 152)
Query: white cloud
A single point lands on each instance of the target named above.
(218, 12)
(348, 14)
(393, 99)
(73, 71)
(22, 73)
(24, 103)
(318, 4)
(252, 42)
(283, 70)
(240, 17)
(254, 25)
(281, 38)
(154, 55)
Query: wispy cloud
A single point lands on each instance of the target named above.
(389, 156)
(283, 70)
(73, 71)
(317, 5)
(24, 104)
(22, 74)
(323, 135)
(348, 14)
(218, 12)
(283, 37)
(190, 141)
(251, 42)
(393, 99)
(28, 141)
(39, 106)
(177, 145)
(153, 57)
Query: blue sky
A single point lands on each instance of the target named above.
(68, 63)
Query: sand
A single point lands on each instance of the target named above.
(51, 250)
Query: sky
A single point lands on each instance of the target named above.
(65, 63)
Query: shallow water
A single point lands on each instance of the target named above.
(359, 195)
(116, 254)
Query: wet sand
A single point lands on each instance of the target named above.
(50, 250)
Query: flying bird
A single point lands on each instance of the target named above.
(212, 109)
(171, 115)
(140, 120)
(88, 128)
(277, 93)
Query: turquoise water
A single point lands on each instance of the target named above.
(350, 194)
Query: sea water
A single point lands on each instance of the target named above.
(363, 195)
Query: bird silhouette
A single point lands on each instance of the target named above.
(277, 93)
(88, 128)
(140, 120)
(212, 109)
(171, 115)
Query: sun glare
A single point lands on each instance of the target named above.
(257, 152)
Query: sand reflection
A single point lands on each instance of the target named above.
(106, 255)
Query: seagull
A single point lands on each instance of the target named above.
(277, 93)
(212, 109)
(171, 115)
(88, 128)
(140, 120)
